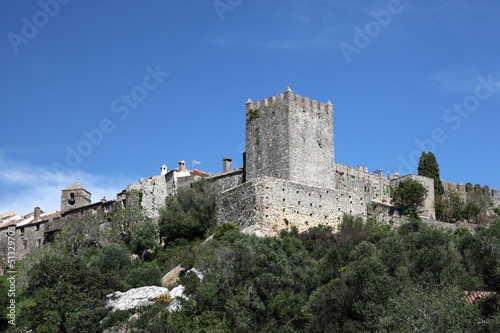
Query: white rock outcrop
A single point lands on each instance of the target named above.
(135, 298)
(175, 295)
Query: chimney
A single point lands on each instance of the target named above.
(226, 164)
(182, 166)
(36, 214)
(163, 170)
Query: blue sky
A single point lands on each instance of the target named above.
(108, 91)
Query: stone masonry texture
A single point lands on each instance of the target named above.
(290, 137)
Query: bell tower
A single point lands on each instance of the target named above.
(75, 196)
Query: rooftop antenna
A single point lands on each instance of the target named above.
(195, 162)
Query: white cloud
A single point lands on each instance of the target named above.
(464, 81)
(23, 187)
(456, 81)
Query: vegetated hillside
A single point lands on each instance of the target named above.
(365, 277)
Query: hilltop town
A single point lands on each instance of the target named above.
(289, 178)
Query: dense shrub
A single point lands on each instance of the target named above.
(189, 214)
(365, 277)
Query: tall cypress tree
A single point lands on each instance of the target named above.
(428, 167)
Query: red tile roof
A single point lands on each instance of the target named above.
(474, 296)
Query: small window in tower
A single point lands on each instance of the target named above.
(38, 242)
(21, 231)
(37, 227)
(107, 208)
(25, 244)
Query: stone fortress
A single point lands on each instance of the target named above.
(289, 178)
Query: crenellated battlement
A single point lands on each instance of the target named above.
(478, 189)
(289, 97)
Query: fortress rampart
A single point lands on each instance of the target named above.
(269, 204)
(460, 187)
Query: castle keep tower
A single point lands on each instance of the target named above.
(290, 137)
(75, 196)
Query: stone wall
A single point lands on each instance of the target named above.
(267, 205)
(290, 137)
(375, 186)
(227, 180)
(241, 205)
(155, 189)
(29, 237)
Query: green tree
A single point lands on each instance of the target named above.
(471, 211)
(144, 274)
(101, 228)
(4, 301)
(127, 219)
(409, 196)
(65, 296)
(189, 214)
(354, 301)
(449, 206)
(431, 257)
(481, 255)
(250, 279)
(428, 167)
(146, 238)
(112, 258)
(419, 309)
(80, 232)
